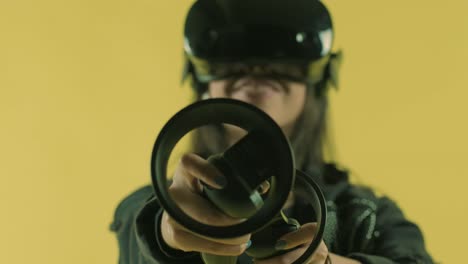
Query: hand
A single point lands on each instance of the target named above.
(300, 239)
(186, 191)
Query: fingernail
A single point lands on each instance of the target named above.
(280, 244)
(221, 181)
(248, 244)
(264, 187)
(261, 189)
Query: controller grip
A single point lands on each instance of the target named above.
(264, 241)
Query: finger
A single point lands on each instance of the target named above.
(201, 209)
(289, 257)
(185, 179)
(305, 234)
(201, 169)
(187, 241)
(172, 226)
(319, 256)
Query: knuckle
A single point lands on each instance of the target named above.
(238, 249)
(186, 160)
(175, 191)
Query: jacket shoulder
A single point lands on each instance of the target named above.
(129, 206)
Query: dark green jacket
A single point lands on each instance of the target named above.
(360, 225)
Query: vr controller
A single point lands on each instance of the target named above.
(264, 154)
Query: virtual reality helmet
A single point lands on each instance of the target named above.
(221, 37)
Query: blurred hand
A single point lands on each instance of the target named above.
(186, 191)
(300, 239)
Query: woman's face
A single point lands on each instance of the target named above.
(280, 99)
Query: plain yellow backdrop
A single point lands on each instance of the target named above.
(86, 85)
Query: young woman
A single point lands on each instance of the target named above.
(275, 55)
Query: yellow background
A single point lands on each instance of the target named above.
(86, 85)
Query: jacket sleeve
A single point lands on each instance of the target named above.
(136, 224)
(393, 239)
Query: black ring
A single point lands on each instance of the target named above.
(315, 197)
(217, 111)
